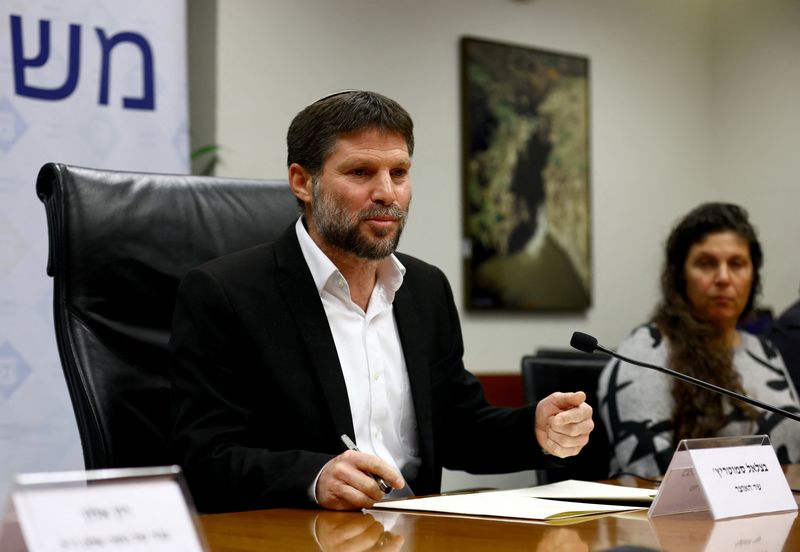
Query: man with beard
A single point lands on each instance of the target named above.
(283, 348)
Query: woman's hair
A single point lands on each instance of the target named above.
(696, 347)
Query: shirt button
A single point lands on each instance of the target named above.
(341, 282)
(376, 377)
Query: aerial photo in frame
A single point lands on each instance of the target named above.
(527, 227)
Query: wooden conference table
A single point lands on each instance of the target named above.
(294, 529)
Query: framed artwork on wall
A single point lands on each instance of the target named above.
(526, 220)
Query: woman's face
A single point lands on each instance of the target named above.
(719, 275)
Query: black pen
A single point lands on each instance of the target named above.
(385, 487)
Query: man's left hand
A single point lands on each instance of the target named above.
(563, 423)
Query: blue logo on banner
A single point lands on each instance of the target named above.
(13, 370)
(106, 43)
(12, 126)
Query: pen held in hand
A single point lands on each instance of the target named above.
(385, 487)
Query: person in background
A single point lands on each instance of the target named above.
(785, 333)
(282, 349)
(709, 282)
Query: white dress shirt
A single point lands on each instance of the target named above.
(371, 357)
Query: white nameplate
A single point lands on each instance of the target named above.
(730, 481)
(129, 514)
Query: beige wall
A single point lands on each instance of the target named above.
(755, 156)
(690, 100)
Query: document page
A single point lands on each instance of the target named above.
(528, 503)
(572, 489)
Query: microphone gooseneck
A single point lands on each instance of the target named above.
(588, 344)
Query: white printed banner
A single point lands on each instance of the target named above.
(86, 82)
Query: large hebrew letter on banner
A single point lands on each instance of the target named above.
(147, 101)
(21, 62)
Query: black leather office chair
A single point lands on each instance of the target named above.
(549, 371)
(120, 242)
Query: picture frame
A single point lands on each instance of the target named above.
(526, 178)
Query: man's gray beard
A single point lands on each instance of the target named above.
(341, 230)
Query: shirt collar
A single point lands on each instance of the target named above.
(390, 269)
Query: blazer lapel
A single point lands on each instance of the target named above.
(303, 301)
(409, 327)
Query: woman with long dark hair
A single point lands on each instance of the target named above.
(709, 282)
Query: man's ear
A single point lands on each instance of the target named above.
(300, 183)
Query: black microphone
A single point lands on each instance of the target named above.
(588, 344)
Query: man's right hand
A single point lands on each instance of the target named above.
(345, 482)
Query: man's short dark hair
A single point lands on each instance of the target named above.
(314, 131)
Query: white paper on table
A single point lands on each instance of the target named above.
(572, 489)
(516, 503)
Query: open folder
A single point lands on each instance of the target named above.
(556, 501)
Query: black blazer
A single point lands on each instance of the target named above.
(785, 334)
(258, 396)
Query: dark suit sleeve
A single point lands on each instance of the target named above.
(470, 434)
(217, 398)
(785, 334)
